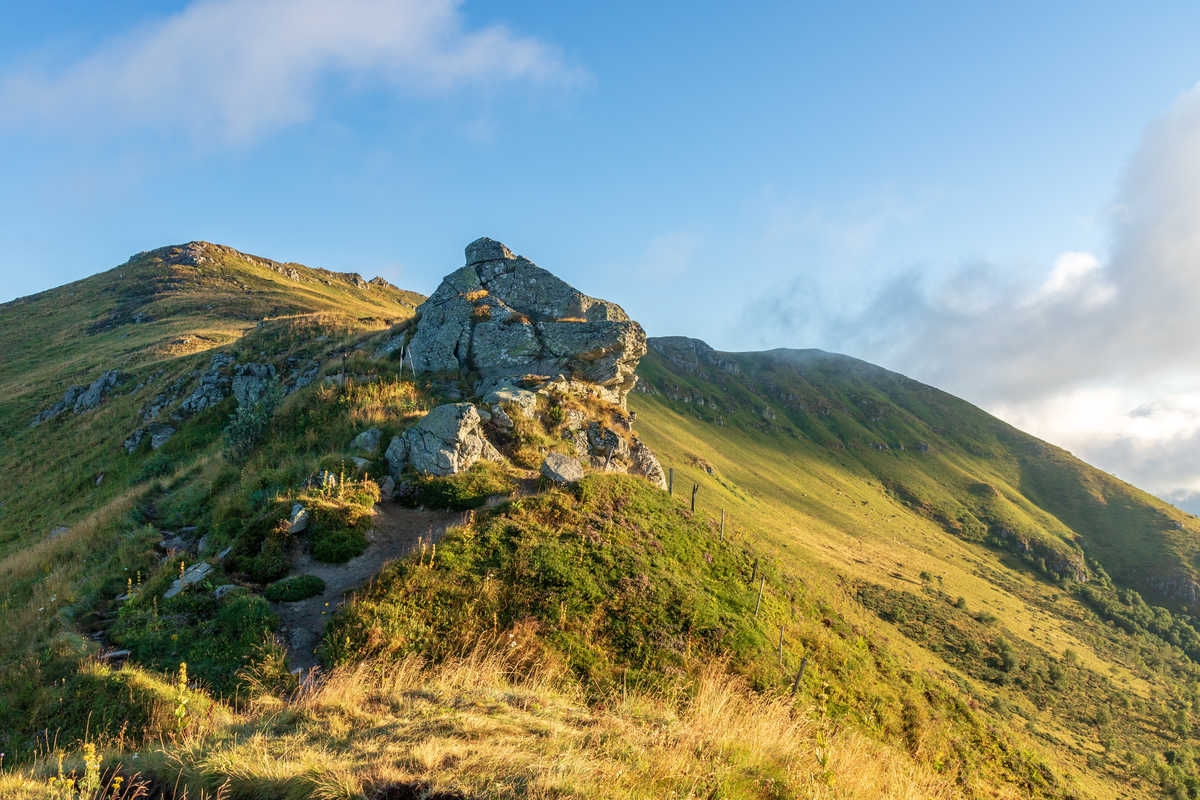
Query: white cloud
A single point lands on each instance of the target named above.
(238, 69)
(1100, 355)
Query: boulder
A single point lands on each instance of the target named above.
(90, 397)
(250, 382)
(387, 488)
(298, 520)
(605, 443)
(360, 464)
(193, 574)
(212, 389)
(502, 316)
(511, 398)
(367, 441)
(81, 398)
(226, 589)
(159, 434)
(447, 440)
(562, 468)
(645, 463)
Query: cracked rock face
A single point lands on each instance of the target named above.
(448, 440)
(503, 316)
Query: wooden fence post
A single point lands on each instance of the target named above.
(671, 481)
(759, 601)
(799, 675)
(695, 488)
(754, 574)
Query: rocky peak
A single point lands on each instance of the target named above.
(501, 315)
(485, 249)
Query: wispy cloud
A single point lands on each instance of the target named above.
(1068, 356)
(238, 69)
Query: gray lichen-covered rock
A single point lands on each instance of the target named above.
(507, 396)
(213, 387)
(298, 519)
(90, 397)
(448, 440)
(645, 463)
(503, 316)
(250, 382)
(561, 468)
(193, 574)
(81, 398)
(159, 434)
(367, 441)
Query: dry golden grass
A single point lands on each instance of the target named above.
(473, 726)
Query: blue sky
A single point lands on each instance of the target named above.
(890, 182)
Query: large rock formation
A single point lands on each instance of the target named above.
(447, 440)
(503, 316)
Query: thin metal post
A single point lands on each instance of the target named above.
(759, 601)
(671, 481)
(695, 488)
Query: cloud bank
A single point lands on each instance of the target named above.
(239, 69)
(1102, 356)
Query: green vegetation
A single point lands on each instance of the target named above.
(962, 610)
(297, 587)
(461, 492)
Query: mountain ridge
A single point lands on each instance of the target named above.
(954, 587)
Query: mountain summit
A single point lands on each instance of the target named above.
(502, 316)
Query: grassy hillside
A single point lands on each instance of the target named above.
(156, 319)
(908, 597)
(998, 561)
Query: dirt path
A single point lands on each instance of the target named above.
(396, 532)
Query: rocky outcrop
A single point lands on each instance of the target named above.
(213, 387)
(448, 440)
(643, 462)
(503, 316)
(368, 441)
(79, 399)
(561, 468)
(250, 382)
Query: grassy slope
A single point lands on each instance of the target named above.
(865, 549)
(793, 441)
(72, 334)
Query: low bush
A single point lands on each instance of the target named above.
(463, 491)
(291, 590)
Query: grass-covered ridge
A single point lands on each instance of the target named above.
(977, 613)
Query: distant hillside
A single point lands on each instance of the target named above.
(976, 476)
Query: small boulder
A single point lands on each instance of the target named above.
(367, 441)
(360, 464)
(159, 434)
(387, 488)
(250, 382)
(226, 589)
(645, 463)
(298, 521)
(193, 574)
(562, 468)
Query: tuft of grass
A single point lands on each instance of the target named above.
(290, 590)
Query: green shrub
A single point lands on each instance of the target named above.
(250, 422)
(291, 590)
(463, 491)
(338, 545)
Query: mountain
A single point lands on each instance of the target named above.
(856, 586)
